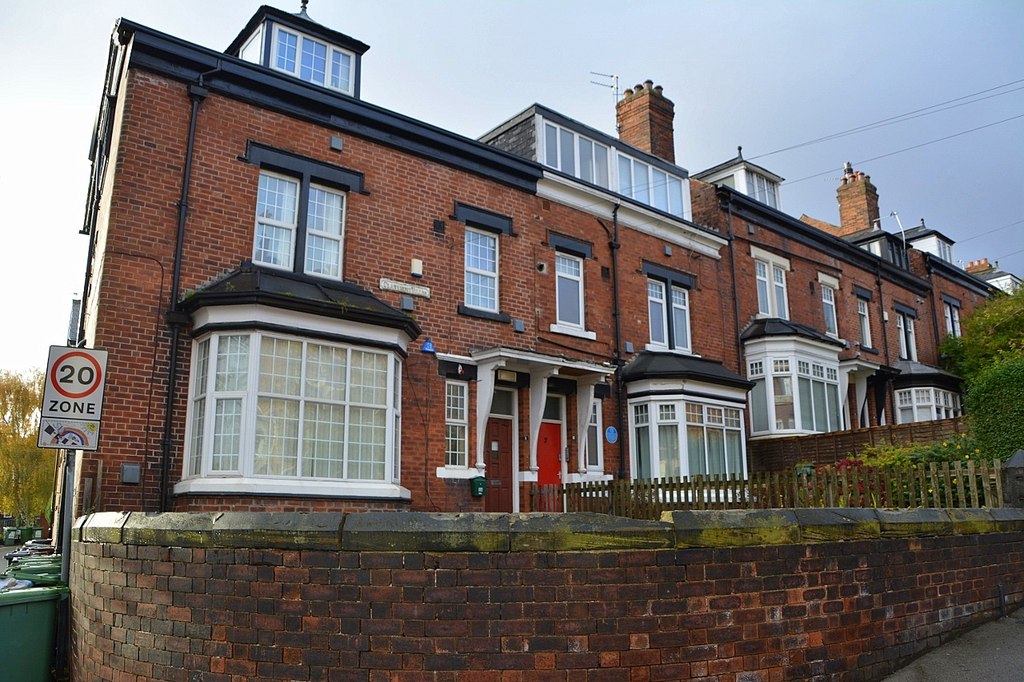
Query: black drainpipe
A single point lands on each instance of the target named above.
(175, 318)
(620, 361)
(735, 299)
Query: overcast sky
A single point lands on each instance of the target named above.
(764, 75)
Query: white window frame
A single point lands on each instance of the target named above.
(643, 182)
(667, 321)
(952, 314)
(785, 373)
(864, 317)
(301, 223)
(829, 295)
(574, 166)
(651, 420)
(770, 274)
(577, 280)
(331, 71)
(762, 189)
(199, 476)
(926, 403)
(491, 275)
(595, 440)
(456, 423)
(907, 339)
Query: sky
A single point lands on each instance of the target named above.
(945, 77)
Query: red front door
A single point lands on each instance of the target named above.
(549, 465)
(498, 454)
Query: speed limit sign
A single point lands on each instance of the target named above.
(74, 383)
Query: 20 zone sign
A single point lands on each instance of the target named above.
(74, 383)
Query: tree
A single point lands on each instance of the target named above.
(995, 407)
(26, 471)
(994, 332)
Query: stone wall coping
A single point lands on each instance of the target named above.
(489, 532)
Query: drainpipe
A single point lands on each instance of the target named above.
(931, 299)
(176, 320)
(620, 362)
(735, 299)
(885, 332)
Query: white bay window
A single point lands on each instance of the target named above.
(270, 407)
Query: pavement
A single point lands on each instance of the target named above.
(993, 652)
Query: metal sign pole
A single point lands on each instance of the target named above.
(67, 500)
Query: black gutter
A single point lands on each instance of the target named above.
(175, 318)
(735, 299)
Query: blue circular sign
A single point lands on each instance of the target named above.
(611, 434)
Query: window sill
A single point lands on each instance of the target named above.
(573, 331)
(866, 349)
(483, 314)
(665, 349)
(589, 477)
(238, 485)
(459, 472)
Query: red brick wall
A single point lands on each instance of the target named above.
(852, 610)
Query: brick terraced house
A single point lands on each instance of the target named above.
(313, 303)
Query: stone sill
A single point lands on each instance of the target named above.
(483, 532)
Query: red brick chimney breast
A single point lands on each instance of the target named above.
(858, 202)
(644, 119)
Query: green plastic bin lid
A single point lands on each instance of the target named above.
(33, 594)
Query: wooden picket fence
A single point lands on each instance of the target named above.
(957, 485)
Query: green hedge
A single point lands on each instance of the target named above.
(995, 408)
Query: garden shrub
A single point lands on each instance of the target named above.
(995, 408)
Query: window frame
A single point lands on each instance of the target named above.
(864, 319)
(595, 445)
(330, 50)
(456, 421)
(484, 274)
(939, 403)
(785, 398)
(906, 335)
(580, 299)
(771, 283)
(951, 311)
(199, 471)
(301, 232)
(657, 425)
(828, 304)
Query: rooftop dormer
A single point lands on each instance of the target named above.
(924, 238)
(296, 45)
(756, 182)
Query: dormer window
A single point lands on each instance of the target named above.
(296, 45)
(312, 61)
(761, 188)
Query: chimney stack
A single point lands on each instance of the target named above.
(858, 202)
(644, 119)
(976, 266)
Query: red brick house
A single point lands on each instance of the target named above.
(314, 303)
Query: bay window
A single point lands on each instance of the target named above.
(275, 407)
(691, 438)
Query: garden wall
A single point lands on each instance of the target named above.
(734, 596)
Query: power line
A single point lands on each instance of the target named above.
(994, 229)
(900, 118)
(907, 149)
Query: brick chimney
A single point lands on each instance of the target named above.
(980, 265)
(644, 119)
(858, 202)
